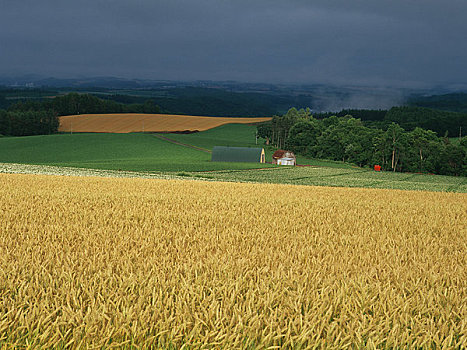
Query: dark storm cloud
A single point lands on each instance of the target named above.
(399, 42)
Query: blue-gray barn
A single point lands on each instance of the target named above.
(238, 154)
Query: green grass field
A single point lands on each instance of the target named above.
(147, 153)
(131, 152)
(342, 177)
(235, 135)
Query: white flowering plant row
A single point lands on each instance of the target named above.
(15, 168)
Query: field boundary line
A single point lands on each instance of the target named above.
(164, 138)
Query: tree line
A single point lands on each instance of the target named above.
(75, 103)
(25, 123)
(456, 102)
(34, 117)
(408, 117)
(348, 139)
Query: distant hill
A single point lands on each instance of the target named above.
(212, 102)
(181, 100)
(230, 98)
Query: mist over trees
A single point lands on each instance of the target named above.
(348, 139)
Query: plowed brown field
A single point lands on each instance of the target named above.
(131, 122)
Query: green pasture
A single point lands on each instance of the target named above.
(129, 152)
(234, 135)
(342, 177)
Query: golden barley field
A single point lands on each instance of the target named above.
(89, 262)
(133, 122)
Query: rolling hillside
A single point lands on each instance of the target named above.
(130, 122)
(128, 152)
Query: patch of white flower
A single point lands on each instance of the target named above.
(14, 168)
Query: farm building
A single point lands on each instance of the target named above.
(281, 157)
(238, 154)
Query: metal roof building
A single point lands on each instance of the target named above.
(238, 154)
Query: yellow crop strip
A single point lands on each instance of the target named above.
(96, 262)
(134, 122)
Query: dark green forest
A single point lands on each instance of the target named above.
(348, 139)
(454, 102)
(29, 122)
(183, 100)
(408, 117)
(215, 102)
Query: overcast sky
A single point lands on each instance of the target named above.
(383, 42)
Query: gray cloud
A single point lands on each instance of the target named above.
(398, 42)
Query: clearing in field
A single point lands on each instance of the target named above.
(103, 263)
(131, 122)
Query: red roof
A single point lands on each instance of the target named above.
(280, 153)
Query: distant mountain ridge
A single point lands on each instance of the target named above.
(319, 97)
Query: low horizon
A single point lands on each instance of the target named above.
(24, 78)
